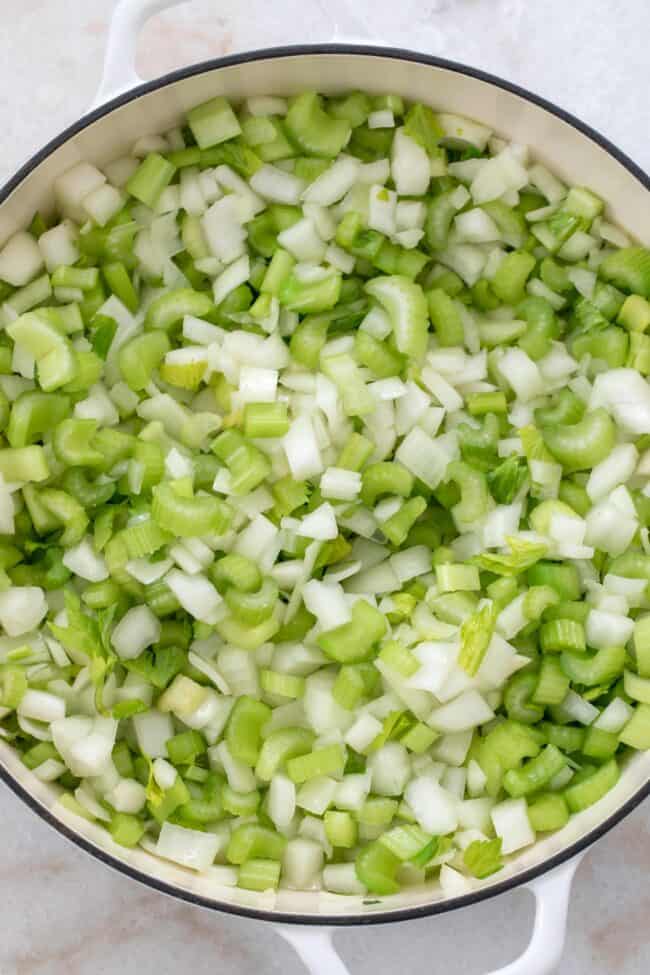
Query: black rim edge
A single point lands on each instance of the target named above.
(387, 916)
(335, 920)
(296, 50)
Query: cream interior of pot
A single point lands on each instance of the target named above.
(572, 155)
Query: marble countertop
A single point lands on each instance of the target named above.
(65, 913)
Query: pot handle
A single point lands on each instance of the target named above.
(315, 947)
(128, 19)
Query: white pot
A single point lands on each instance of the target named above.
(573, 151)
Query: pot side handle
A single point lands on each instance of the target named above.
(129, 17)
(119, 74)
(544, 951)
(315, 947)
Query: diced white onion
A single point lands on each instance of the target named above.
(85, 562)
(423, 457)
(511, 823)
(302, 862)
(223, 227)
(363, 732)
(191, 848)
(452, 882)
(74, 185)
(277, 185)
(612, 471)
(411, 562)
(196, 594)
(410, 166)
(327, 603)
(614, 717)
(332, 185)
(381, 210)
(390, 769)
(352, 791)
(315, 796)
(57, 246)
(441, 389)
(339, 484)
(21, 609)
(607, 630)
(323, 712)
(235, 274)
(436, 660)
(137, 629)
(240, 777)
(85, 744)
(476, 227)
(458, 127)
(512, 618)
(577, 709)
(469, 710)
(257, 385)
(608, 528)
(320, 523)
(434, 808)
(381, 119)
(303, 241)
(281, 801)
(341, 878)
(41, 706)
(521, 373)
(626, 395)
(302, 450)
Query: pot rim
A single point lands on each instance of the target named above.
(336, 920)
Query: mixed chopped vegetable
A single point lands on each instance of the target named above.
(324, 496)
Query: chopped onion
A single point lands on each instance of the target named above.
(435, 810)
(21, 609)
(277, 185)
(83, 560)
(466, 711)
(511, 824)
(614, 470)
(137, 629)
(191, 848)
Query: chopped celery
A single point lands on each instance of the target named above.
(311, 128)
(262, 507)
(483, 857)
(150, 179)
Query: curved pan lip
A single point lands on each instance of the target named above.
(337, 920)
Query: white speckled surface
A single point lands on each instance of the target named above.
(64, 913)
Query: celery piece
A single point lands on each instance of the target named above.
(170, 308)
(548, 812)
(405, 305)
(329, 760)
(353, 642)
(189, 516)
(376, 868)
(34, 413)
(629, 269)
(150, 178)
(475, 635)
(483, 857)
(243, 733)
(446, 318)
(213, 122)
(313, 130)
(593, 787)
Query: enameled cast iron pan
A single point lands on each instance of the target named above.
(128, 108)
